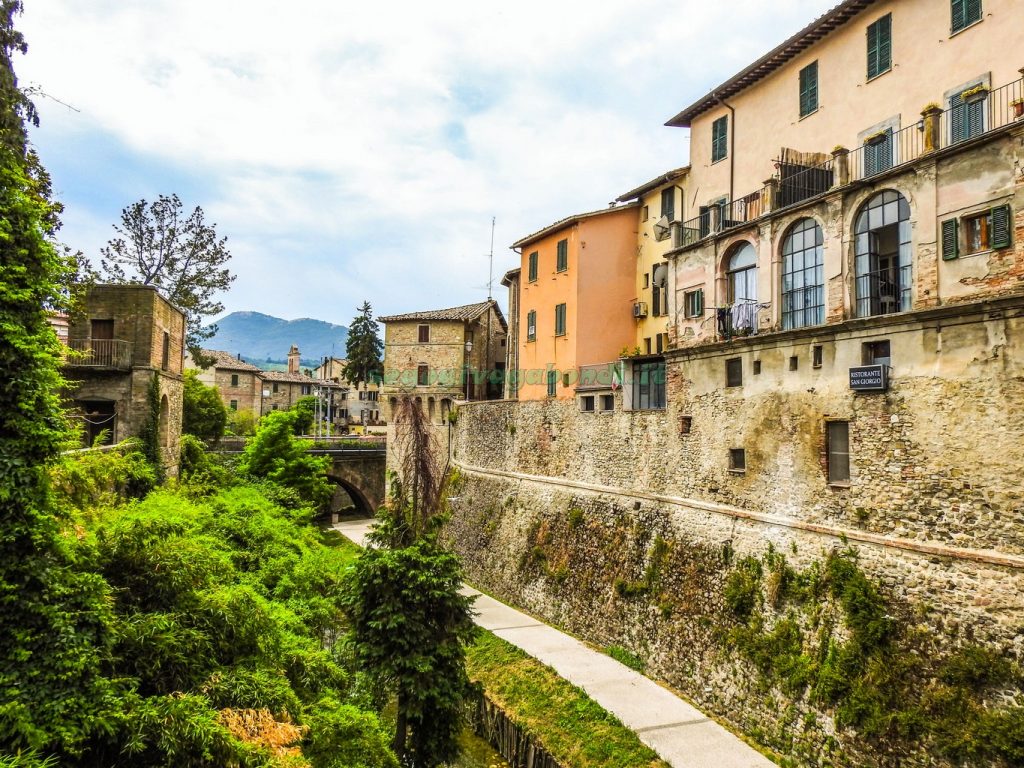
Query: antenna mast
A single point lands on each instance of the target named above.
(490, 267)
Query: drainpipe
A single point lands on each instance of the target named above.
(732, 142)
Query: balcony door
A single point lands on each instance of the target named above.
(882, 258)
(742, 288)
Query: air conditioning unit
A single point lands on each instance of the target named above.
(639, 309)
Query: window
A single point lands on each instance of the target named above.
(422, 375)
(693, 303)
(878, 153)
(552, 382)
(987, 230)
(816, 356)
(876, 352)
(668, 203)
(756, 368)
(659, 344)
(424, 334)
(234, 379)
(275, 387)
(647, 345)
(647, 279)
(533, 267)
(966, 118)
(803, 276)
(102, 330)
(607, 402)
(734, 372)
(737, 460)
(233, 405)
(742, 286)
(273, 407)
(685, 425)
(964, 13)
(809, 89)
(165, 359)
(587, 403)
(649, 385)
(307, 389)
(562, 260)
(837, 437)
(794, 362)
(880, 46)
(882, 258)
(720, 139)
(531, 325)
(645, 213)
(560, 320)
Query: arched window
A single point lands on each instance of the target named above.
(741, 275)
(882, 260)
(803, 275)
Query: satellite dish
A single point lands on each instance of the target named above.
(661, 275)
(661, 229)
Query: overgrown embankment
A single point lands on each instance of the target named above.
(799, 646)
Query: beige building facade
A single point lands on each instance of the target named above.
(239, 383)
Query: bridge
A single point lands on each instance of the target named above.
(357, 468)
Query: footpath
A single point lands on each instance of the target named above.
(682, 735)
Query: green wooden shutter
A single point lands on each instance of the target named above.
(1002, 233)
(957, 16)
(880, 46)
(808, 89)
(972, 11)
(533, 267)
(950, 239)
(719, 138)
(563, 256)
(698, 303)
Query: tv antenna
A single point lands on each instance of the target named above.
(490, 266)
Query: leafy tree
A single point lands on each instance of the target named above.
(274, 454)
(363, 348)
(54, 634)
(179, 255)
(305, 414)
(203, 412)
(409, 623)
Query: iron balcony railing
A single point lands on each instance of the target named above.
(980, 112)
(99, 353)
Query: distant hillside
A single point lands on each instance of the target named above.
(261, 338)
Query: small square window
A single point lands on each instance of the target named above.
(647, 279)
(757, 367)
(233, 405)
(607, 402)
(794, 362)
(693, 303)
(816, 356)
(734, 372)
(587, 403)
(424, 334)
(644, 213)
(737, 460)
(876, 353)
(685, 425)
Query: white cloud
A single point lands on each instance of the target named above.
(351, 150)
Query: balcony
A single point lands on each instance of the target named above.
(112, 354)
(978, 112)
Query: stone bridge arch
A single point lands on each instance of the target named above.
(361, 477)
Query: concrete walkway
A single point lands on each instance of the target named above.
(681, 734)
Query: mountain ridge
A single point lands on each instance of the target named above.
(260, 337)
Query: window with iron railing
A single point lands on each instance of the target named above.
(803, 275)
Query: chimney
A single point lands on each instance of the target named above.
(239, 355)
(293, 359)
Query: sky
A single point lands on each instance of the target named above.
(355, 151)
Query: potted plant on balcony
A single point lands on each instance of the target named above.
(974, 95)
(1018, 107)
(876, 138)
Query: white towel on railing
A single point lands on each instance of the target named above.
(744, 315)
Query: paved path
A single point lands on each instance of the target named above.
(681, 734)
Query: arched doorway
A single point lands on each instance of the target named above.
(741, 288)
(882, 257)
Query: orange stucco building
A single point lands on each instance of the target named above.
(576, 299)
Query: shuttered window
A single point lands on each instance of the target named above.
(693, 303)
(668, 203)
(560, 320)
(562, 262)
(950, 239)
(880, 46)
(809, 89)
(1002, 231)
(531, 325)
(720, 139)
(533, 267)
(552, 382)
(878, 154)
(966, 119)
(964, 13)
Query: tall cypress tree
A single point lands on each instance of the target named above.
(51, 618)
(363, 348)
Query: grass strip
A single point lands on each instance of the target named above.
(570, 725)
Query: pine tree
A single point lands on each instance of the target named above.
(52, 618)
(364, 348)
